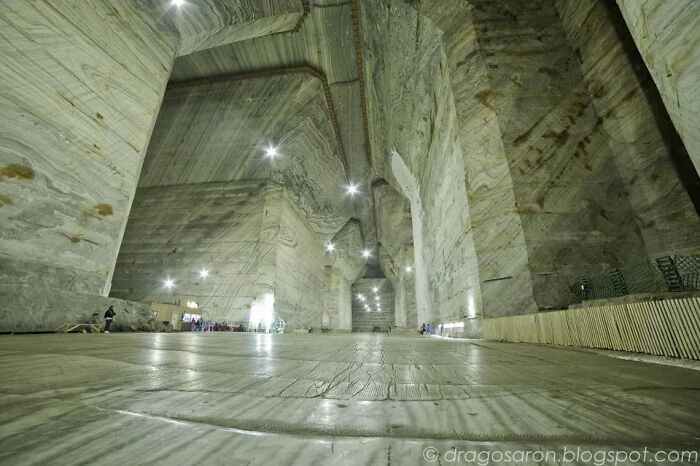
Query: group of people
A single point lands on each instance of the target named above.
(197, 325)
(429, 329)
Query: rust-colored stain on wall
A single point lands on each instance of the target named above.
(73, 239)
(20, 172)
(4, 200)
(551, 72)
(483, 97)
(103, 209)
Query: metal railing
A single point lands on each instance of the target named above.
(667, 274)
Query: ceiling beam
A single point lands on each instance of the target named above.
(361, 73)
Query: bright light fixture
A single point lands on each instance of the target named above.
(204, 273)
(271, 151)
(330, 247)
(366, 253)
(409, 269)
(454, 325)
(178, 3)
(375, 289)
(351, 189)
(168, 283)
(261, 311)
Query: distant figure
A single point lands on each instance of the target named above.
(109, 316)
(193, 325)
(428, 329)
(199, 324)
(442, 329)
(422, 328)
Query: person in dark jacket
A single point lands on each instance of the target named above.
(109, 316)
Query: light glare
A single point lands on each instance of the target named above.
(330, 247)
(178, 3)
(204, 273)
(409, 269)
(261, 312)
(271, 151)
(168, 283)
(351, 189)
(366, 253)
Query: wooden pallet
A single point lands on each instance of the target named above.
(67, 328)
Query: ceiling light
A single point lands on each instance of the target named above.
(168, 283)
(360, 296)
(178, 3)
(366, 253)
(409, 269)
(204, 273)
(271, 151)
(330, 247)
(375, 289)
(351, 189)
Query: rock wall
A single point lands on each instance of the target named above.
(666, 34)
(80, 90)
(651, 160)
(25, 310)
(405, 299)
(499, 241)
(299, 282)
(337, 313)
(247, 235)
(412, 115)
(177, 231)
(574, 209)
(343, 266)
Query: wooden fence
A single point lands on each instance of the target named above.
(669, 327)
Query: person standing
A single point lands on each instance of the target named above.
(422, 328)
(429, 329)
(109, 316)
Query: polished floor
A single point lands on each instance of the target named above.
(327, 399)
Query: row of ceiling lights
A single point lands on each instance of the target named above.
(377, 300)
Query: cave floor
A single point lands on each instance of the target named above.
(315, 399)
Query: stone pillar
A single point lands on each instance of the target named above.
(337, 300)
